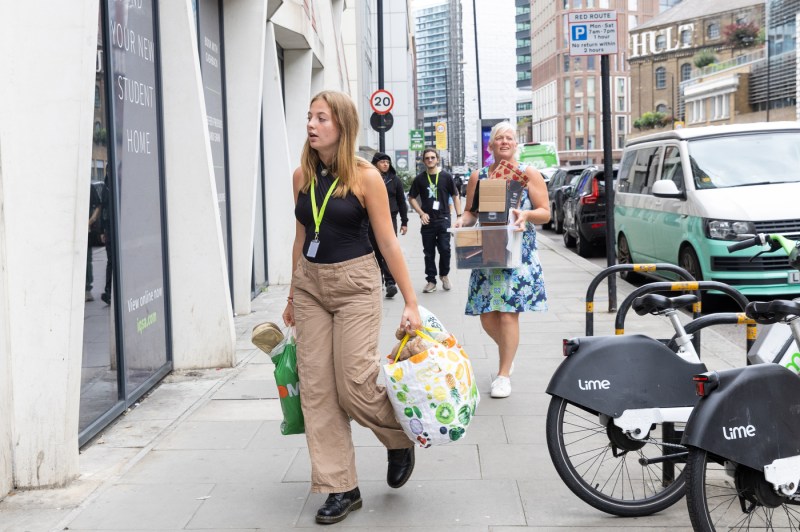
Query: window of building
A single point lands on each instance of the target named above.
(524, 106)
(590, 104)
(579, 125)
(620, 95)
(661, 42)
(590, 86)
(661, 78)
(686, 71)
(577, 4)
(579, 143)
(591, 143)
(592, 125)
(603, 3)
(686, 37)
(568, 125)
(567, 142)
(578, 65)
(661, 108)
(590, 63)
(712, 30)
(622, 131)
(566, 62)
(721, 106)
(578, 105)
(633, 21)
(697, 109)
(578, 86)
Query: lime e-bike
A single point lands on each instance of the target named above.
(743, 437)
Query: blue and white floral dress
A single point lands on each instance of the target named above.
(509, 289)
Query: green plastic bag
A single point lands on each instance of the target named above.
(284, 356)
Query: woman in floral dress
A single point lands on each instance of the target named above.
(498, 295)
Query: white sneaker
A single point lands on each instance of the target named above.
(430, 287)
(501, 387)
(446, 283)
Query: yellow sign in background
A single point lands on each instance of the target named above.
(441, 135)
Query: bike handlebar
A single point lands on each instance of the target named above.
(757, 240)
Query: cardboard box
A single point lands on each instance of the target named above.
(487, 247)
(468, 238)
(497, 196)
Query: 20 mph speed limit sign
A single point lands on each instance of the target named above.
(381, 101)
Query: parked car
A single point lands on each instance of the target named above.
(683, 196)
(585, 211)
(563, 177)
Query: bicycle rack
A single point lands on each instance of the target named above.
(726, 318)
(626, 268)
(684, 286)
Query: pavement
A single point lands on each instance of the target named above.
(203, 450)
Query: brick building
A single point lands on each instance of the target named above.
(664, 77)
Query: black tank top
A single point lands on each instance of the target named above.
(343, 232)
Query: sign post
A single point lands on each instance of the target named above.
(595, 33)
(381, 120)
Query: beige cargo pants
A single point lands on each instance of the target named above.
(337, 313)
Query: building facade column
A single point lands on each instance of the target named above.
(45, 160)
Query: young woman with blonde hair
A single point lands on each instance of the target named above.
(335, 304)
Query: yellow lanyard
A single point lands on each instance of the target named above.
(319, 214)
(433, 188)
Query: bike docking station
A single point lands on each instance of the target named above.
(619, 403)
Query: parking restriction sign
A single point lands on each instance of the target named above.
(592, 32)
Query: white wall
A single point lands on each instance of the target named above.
(202, 316)
(279, 202)
(45, 154)
(244, 63)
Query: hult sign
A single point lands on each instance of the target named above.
(648, 42)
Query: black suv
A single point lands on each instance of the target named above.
(564, 177)
(585, 211)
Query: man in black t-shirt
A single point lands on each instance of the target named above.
(429, 196)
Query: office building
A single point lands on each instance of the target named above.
(566, 102)
(440, 82)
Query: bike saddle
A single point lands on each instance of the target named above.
(655, 303)
(768, 312)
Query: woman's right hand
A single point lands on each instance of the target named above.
(288, 315)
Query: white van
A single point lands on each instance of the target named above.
(683, 196)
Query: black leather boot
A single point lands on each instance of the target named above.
(338, 505)
(401, 465)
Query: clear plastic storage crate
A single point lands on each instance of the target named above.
(496, 246)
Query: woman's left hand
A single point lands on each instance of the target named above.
(520, 218)
(410, 320)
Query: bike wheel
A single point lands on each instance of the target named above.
(726, 496)
(603, 467)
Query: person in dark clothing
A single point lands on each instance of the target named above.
(105, 220)
(397, 204)
(94, 215)
(430, 195)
